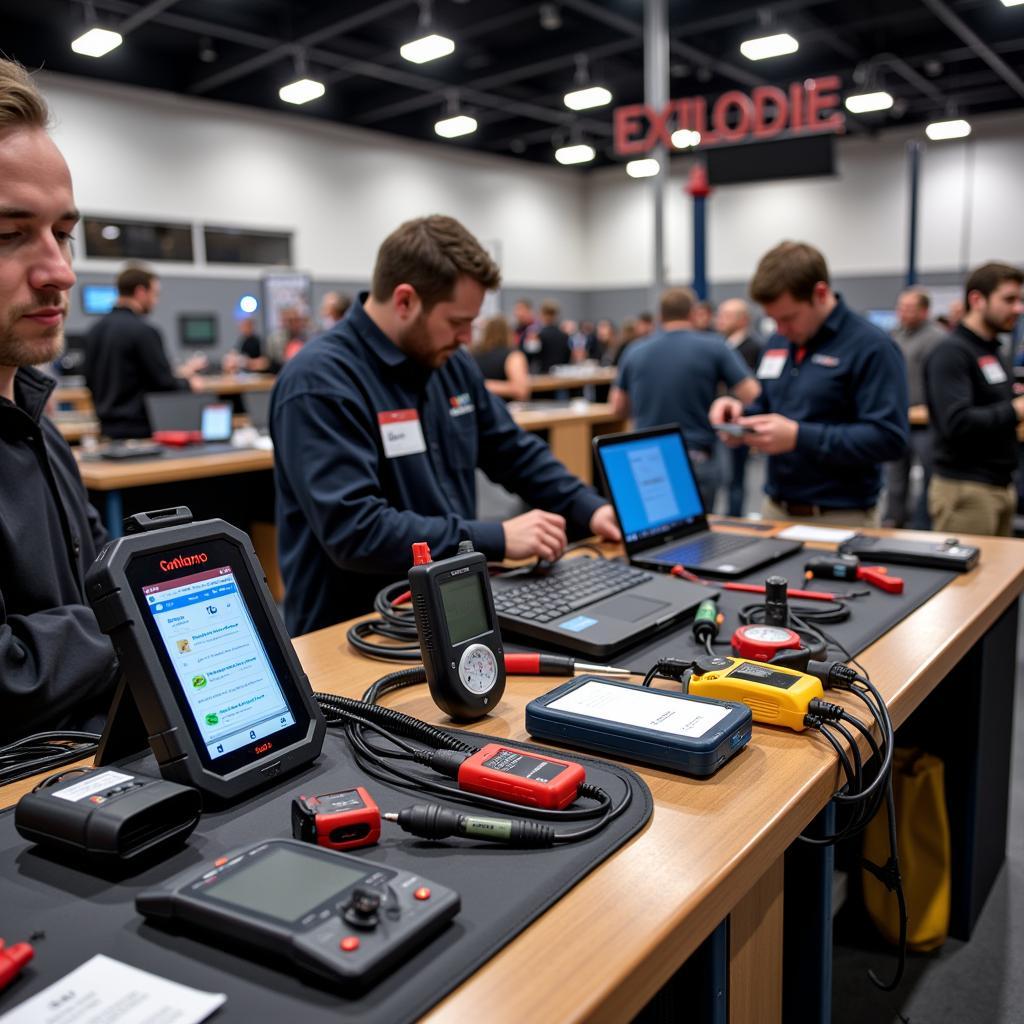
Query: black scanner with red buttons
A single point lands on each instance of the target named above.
(328, 913)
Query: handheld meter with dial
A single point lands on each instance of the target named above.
(459, 640)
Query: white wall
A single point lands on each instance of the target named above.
(140, 153)
(969, 211)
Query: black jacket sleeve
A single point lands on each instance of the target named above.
(154, 366)
(55, 667)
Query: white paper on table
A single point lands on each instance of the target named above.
(106, 991)
(817, 534)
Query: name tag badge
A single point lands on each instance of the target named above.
(401, 433)
(772, 362)
(992, 369)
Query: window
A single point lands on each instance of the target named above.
(238, 245)
(114, 238)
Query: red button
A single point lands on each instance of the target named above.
(220, 862)
(423, 893)
(349, 944)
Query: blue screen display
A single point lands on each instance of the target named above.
(98, 299)
(652, 485)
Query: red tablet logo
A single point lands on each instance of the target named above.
(263, 747)
(184, 561)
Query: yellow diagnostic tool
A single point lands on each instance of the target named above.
(775, 695)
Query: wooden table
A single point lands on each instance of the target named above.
(570, 430)
(714, 848)
(78, 396)
(579, 378)
(232, 383)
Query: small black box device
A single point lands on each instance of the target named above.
(108, 814)
(338, 916)
(204, 656)
(460, 643)
(941, 553)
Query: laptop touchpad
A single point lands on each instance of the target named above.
(627, 608)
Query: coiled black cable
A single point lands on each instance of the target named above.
(44, 751)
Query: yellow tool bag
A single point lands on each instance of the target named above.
(922, 830)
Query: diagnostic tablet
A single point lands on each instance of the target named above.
(684, 733)
(204, 654)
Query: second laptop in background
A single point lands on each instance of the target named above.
(649, 479)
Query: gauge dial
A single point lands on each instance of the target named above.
(478, 668)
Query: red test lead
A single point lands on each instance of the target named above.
(12, 960)
(555, 665)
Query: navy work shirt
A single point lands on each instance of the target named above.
(374, 452)
(849, 395)
(674, 377)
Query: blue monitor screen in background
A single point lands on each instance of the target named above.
(98, 299)
(887, 319)
(653, 487)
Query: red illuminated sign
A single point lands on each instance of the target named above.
(804, 108)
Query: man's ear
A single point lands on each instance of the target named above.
(406, 302)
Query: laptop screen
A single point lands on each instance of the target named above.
(651, 484)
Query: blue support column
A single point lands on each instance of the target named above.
(697, 186)
(114, 514)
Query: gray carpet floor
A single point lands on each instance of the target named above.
(979, 982)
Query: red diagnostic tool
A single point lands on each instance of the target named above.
(762, 643)
(12, 960)
(848, 567)
(339, 821)
(521, 776)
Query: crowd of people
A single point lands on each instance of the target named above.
(381, 420)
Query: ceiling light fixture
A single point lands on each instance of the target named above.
(430, 46)
(1012, 3)
(96, 42)
(577, 153)
(957, 128)
(646, 168)
(585, 96)
(684, 138)
(868, 102)
(769, 46)
(303, 89)
(453, 127)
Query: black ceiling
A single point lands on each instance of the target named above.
(511, 71)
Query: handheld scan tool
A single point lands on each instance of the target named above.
(340, 917)
(776, 695)
(204, 655)
(458, 630)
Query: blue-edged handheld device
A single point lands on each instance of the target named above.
(681, 732)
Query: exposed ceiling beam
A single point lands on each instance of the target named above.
(144, 14)
(953, 22)
(517, 74)
(320, 35)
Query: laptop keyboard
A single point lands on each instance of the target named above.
(703, 549)
(574, 583)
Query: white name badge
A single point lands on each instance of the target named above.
(401, 432)
(992, 369)
(772, 362)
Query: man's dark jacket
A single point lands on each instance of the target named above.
(56, 668)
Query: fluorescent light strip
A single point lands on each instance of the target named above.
(592, 96)
(578, 154)
(684, 138)
(646, 168)
(867, 102)
(431, 47)
(958, 128)
(453, 127)
(1012, 3)
(769, 46)
(302, 91)
(96, 42)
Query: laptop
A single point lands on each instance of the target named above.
(257, 408)
(649, 479)
(594, 606)
(185, 419)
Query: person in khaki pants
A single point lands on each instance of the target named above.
(973, 411)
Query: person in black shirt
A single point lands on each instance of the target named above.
(248, 354)
(125, 359)
(553, 343)
(973, 412)
(57, 670)
(504, 367)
